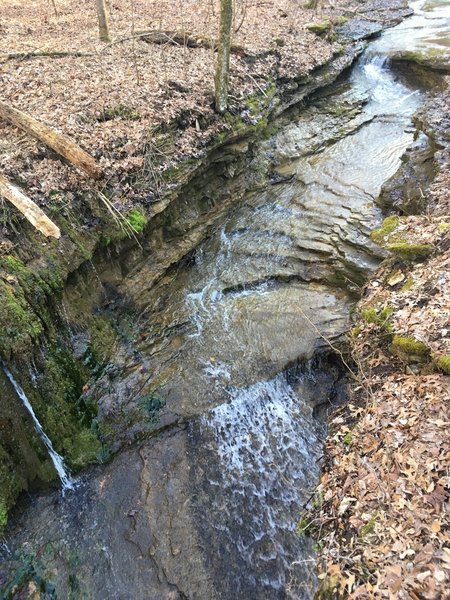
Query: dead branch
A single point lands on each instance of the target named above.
(58, 142)
(176, 38)
(28, 208)
(44, 54)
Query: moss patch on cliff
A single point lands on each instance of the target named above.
(137, 220)
(10, 487)
(65, 414)
(19, 324)
(24, 310)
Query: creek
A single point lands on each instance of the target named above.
(217, 401)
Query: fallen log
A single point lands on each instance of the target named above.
(176, 38)
(28, 208)
(58, 142)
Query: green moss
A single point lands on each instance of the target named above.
(388, 226)
(102, 339)
(82, 449)
(443, 363)
(409, 348)
(46, 471)
(443, 227)
(377, 316)
(52, 276)
(19, 324)
(121, 111)
(258, 102)
(304, 526)
(151, 403)
(411, 252)
(3, 516)
(407, 285)
(10, 486)
(348, 438)
(369, 526)
(65, 413)
(84, 251)
(221, 137)
(14, 265)
(319, 28)
(36, 285)
(137, 220)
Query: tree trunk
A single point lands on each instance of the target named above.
(28, 208)
(103, 20)
(223, 59)
(57, 141)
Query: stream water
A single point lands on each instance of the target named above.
(232, 359)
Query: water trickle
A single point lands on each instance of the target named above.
(67, 482)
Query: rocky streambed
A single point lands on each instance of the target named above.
(215, 361)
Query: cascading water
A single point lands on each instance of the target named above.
(57, 460)
(262, 452)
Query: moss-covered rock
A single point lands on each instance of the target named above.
(388, 226)
(377, 316)
(83, 449)
(411, 252)
(443, 363)
(102, 339)
(409, 349)
(320, 27)
(10, 487)
(20, 326)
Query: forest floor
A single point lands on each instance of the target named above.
(381, 513)
(119, 100)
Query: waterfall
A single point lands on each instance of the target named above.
(57, 460)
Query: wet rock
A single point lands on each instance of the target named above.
(195, 512)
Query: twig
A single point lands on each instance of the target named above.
(45, 54)
(118, 217)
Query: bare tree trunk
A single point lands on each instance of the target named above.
(58, 142)
(223, 59)
(103, 20)
(28, 208)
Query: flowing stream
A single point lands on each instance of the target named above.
(57, 460)
(231, 369)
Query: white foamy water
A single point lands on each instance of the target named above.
(266, 444)
(57, 460)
